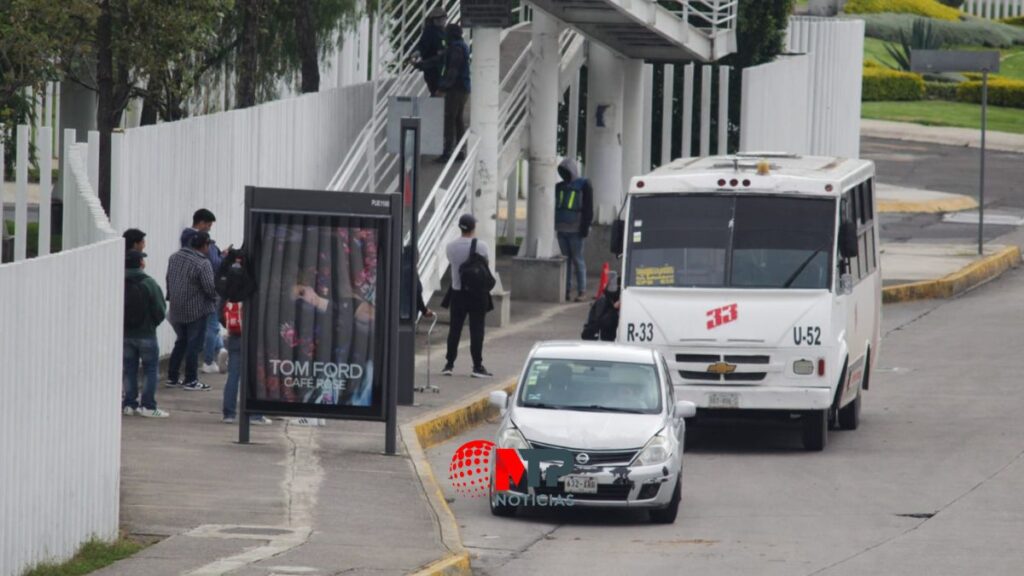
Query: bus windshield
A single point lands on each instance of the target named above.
(734, 241)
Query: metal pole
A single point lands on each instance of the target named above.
(981, 186)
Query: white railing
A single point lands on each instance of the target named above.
(60, 358)
(161, 174)
(994, 9)
(708, 16)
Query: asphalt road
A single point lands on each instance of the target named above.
(930, 483)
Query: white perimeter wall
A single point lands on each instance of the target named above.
(835, 58)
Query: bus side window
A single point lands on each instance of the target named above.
(848, 213)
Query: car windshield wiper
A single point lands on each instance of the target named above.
(597, 408)
(541, 405)
(800, 269)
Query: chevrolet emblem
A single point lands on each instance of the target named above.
(721, 368)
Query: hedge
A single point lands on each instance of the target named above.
(968, 32)
(1001, 92)
(881, 84)
(928, 8)
(940, 90)
(1014, 21)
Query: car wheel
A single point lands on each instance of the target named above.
(815, 430)
(504, 510)
(849, 415)
(667, 515)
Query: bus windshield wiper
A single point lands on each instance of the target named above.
(799, 270)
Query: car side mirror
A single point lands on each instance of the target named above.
(618, 236)
(499, 399)
(848, 247)
(685, 409)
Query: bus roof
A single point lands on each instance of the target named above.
(787, 173)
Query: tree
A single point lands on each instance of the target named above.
(248, 51)
(305, 35)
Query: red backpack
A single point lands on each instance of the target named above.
(233, 318)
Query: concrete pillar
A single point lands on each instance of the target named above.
(483, 123)
(544, 98)
(605, 80)
(634, 101)
(572, 149)
(648, 116)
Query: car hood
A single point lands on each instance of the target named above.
(587, 430)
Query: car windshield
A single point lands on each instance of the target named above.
(591, 385)
(737, 241)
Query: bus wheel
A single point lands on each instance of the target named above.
(815, 430)
(849, 415)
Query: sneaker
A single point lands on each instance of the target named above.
(222, 360)
(196, 386)
(172, 383)
(129, 411)
(210, 368)
(305, 421)
(154, 413)
(481, 372)
(261, 421)
(228, 420)
(447, 370)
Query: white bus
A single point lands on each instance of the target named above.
(757, 277)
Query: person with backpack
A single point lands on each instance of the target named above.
(574, 212)
(231, 318)
(143, 311)
(603, 319)
(469, 295)
(455, 88)
(430, 48)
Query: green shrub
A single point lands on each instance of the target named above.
(953, 3)
(881, 84)
(1001, 92)
(927, 8)
(940, 91)
(968, 32)
(1014, 21)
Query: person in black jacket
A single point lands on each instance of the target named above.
(574, 212)
(455, 87)
(603, 320)
(431, 49)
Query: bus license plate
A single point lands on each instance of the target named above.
(581, 484)
(723, 400)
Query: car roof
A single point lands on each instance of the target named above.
(581, 350)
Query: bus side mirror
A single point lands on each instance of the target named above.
(848, 246)
(618, 236)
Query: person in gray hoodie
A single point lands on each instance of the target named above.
(574, 212)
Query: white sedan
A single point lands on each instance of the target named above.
(594, 424)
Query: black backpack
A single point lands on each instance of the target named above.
(235, 281)
(136, 302)
(475, 274)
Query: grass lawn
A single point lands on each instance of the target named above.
(940, 113)
(1011, 60)
(90, 557)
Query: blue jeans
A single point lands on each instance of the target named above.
(571, 244)
(213, 342)
(230, 407)
(187, 348)
(146, 350)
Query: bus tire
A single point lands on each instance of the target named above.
(849, 415)
(815, 430)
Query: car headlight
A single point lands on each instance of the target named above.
(657, 451)
(510, 437)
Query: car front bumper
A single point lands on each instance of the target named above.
(618, 487)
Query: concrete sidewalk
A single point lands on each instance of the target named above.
(325, 500)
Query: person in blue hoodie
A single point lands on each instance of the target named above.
(202, 221)
(455, 86)
(574, 212)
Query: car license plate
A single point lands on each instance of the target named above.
(581, 484)
(723, 400)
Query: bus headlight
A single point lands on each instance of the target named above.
(803, 367)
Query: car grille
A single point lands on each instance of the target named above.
(597, 457)
(616, 492)
(740, 360)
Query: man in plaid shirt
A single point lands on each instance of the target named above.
(193, 298)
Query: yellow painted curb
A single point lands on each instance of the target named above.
(954, 204)
(454, 565)
(431, 430)
(968, 277)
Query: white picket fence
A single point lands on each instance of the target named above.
(60, 375)
(697, 111)
(161, 174)
(994, 9)
(807, 104)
